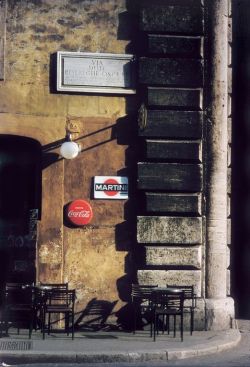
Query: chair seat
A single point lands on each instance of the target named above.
(58, 308)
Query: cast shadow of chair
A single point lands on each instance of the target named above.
(95, 316)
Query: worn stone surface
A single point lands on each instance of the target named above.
(175, 46)
(174, 18)
(170, 176)
(171, 277)
(174, 256)
(88, 268)
(173, 150)
(173, 97)
(29, 107)
(172, 124)
(219, 313)
(3, 9)
(216, 177)
(173, 203)
(169, 230)
(171, 72)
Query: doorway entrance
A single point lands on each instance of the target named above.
(240, 249)
(20, 196)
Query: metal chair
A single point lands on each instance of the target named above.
(19, 306)
(141, 302)
(165, 304)
(59, 301)
(189, 301)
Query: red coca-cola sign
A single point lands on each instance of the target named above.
(79, 212)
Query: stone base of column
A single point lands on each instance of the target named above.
(219, 313)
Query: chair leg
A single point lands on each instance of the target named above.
(155, 325)
(134, 319)
(191, 321)
(49, 323)
(31, 325)
(73, 325)
(182, 327)
(67, 323)
(174, 326)
(43, 323)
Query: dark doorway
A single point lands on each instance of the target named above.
(19, 207)
(240, 251)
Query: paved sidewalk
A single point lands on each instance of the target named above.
(107, 346)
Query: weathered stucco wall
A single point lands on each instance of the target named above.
(91, 259)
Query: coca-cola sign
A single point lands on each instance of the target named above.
(79, 212)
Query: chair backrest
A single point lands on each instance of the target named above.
(188, 291)
(141, 292)
(55, 285)
(62, 297)
(18, 293)
(167, 300)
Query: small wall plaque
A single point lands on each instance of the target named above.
(95, 72)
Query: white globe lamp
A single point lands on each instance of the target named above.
(69, 149)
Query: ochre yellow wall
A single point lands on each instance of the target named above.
(92, 259)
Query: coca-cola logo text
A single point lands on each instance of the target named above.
(83, 213)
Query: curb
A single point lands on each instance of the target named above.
(230, 340)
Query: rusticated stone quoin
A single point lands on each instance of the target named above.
(171, 72)
(172, 124)
(169, 230)
(173, 150)
(173, 203)
(171, 277)
(176, 17)
(174, 256)
(172, 97)
(172, 45)
(169, 176)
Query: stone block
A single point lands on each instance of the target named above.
(229, 105)
(173, 203)
(228, 205)
(229, 156)
(171, 277)
(170, 177)
(175, 46)
(173, 150)
(172, 124)
(173, 97)
(173, 256)
(219, 313)
(3, 8)
(169, 230)
(229, 180)
(229, 130)
(172, 17)
(229, 231)
(228, 282)
(229, 79)
(171, 72)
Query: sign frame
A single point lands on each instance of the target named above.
(123, 65)
(113, 193)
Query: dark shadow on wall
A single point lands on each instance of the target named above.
(126, 134)
(240, 204)
(95, 316)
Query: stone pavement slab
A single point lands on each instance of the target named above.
(103, 346)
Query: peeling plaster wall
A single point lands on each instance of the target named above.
(92, 259)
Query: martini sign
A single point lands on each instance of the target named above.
(111, 187)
